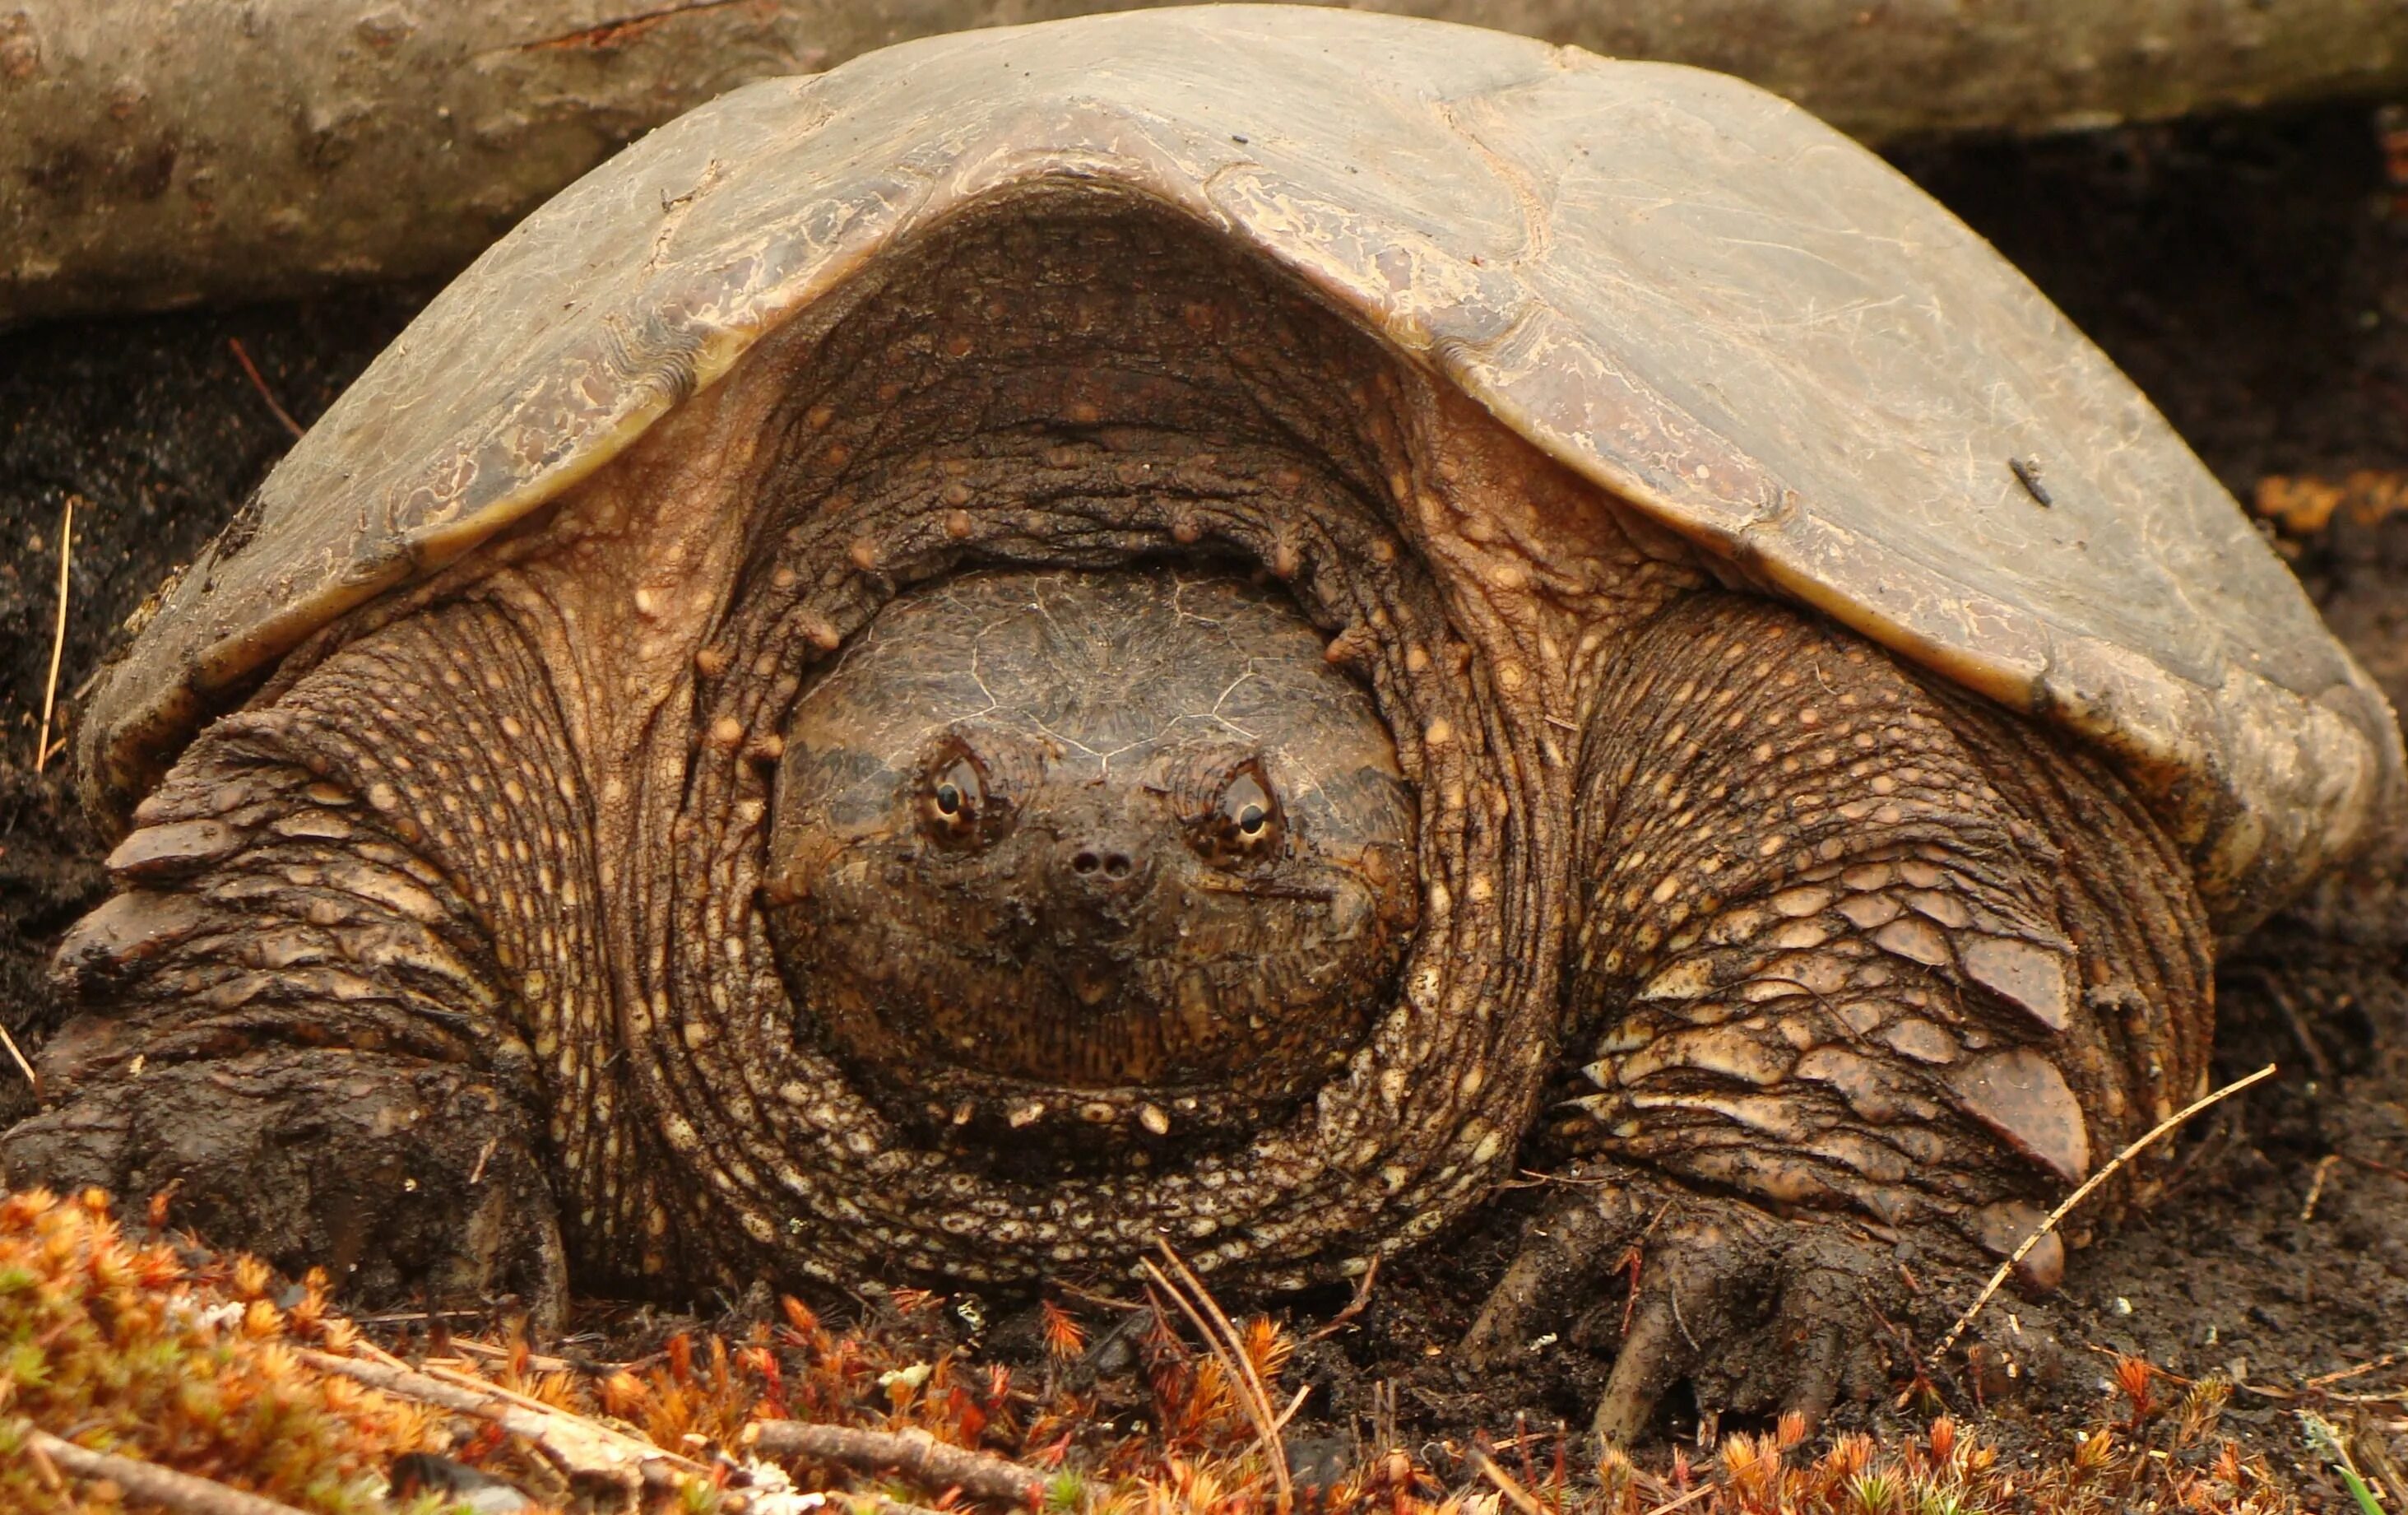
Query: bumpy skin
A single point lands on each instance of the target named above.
(1865, 948)
(1829, 957)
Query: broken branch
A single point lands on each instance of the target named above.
(148, 1483)
(574, 1445)
(915, 1454)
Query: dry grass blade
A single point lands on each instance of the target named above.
(150, 1484)
(242, 355)
(58, 641)
(1685, 1500)
(1516, 1495)
(915, 1453)
(2325, 1166)
(1998, 1280)
(1226, 1344)
(2383, 1362)
(23, 1066)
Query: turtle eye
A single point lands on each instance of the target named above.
(1244, 824)
(953, 797)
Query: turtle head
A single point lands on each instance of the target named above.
(1068, 855)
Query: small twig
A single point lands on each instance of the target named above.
(1252, 1396)
(1516, 1495)
(1690, 1498)
(618, 29)
(1106, 1301)
(536, 1362)
(2317, 1062)
(571, 1443)
(58, 638)
(1266, 891)
(2325, 1166)
(1354, 1306)
(2385, 1396)
(917, 1455)
(2378, 1462)
(243, 357)
(474, 1384)
(1293, 1405)
(2372, 1167)
(23, 1066)
(874, 1504)
(2383, 1362)
(1997, 1279)
(150, 1484)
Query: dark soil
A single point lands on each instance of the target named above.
(2251, 274)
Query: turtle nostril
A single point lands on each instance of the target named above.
(1099, 869)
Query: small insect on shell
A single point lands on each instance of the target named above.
(2027, 472)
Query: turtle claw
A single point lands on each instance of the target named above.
(1761, 1314)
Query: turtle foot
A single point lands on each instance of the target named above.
(1761, 1314)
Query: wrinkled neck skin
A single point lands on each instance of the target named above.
(1071, 382)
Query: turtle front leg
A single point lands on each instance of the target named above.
(1870, 964)
(301, 1012)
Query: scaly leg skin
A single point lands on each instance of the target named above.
(293, 1012)
(1869, 963)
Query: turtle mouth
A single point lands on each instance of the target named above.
(1126, 1038)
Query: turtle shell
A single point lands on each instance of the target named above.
(1725, 313)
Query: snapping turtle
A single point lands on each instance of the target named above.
(1209, 624)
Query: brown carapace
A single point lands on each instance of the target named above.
(1214, 626)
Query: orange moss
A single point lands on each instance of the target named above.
(188, 1361)
(126, 1349)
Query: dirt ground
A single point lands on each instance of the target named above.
(2252, 275)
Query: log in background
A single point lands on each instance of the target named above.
(163, 153)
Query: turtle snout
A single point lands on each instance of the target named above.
(1103, 868)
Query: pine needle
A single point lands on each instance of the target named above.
(26, 1068)
(242, 357)
(58, 641)
(1226, 1344)
(2169, 1123)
